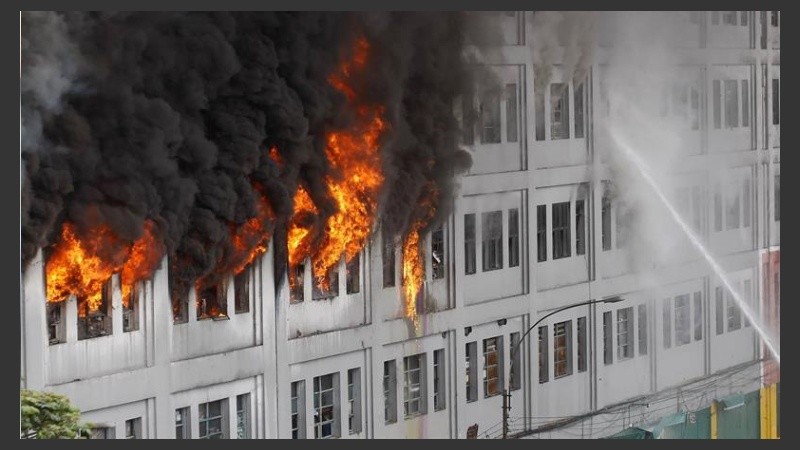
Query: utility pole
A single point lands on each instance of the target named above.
(506, 409)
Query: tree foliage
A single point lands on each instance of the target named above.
(45, 415)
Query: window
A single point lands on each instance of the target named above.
(511, 113)
(182, 422)
(212, 423)
(414, 385)
(729, 17)
(717, 207)
(743, 16)
(642, 319)
(580, 228)
(559, 111)
(731, 104)
(243, 416)
(130, 310)
(389, 391)
(581, 344)
(625, 333)
(695, 108)
(541, 232)
(745, 104)
(388, 260)
(102, 433)
(746, 203)
(212, 302)
(297, 283)
(516, 369)
(325, 406)
(682, 320)
(179, 299)
(492, 366)
(777, 197)
(471, 356)
(469, 244)
(538, 99)
(579, 111)
(241, 291)
(490, 119)
(667, 310)
(715, 17)
(437, 253)
(774, 21)
(608, 344)
(720, 312)
(776, 101)
(748, 297)
(439, 392)
(353, 277)
(717, 93)
(562, 349)
(56, 331)
(468, 120)
(92, 324)
(299, 409)
(561, 230)
(732, 218)
(544, 357)
(513, 237)
(734, 314)
(318, 292)
(354, 400)
(606, 219)
(698, 316)
(492, 242)
(133, 428)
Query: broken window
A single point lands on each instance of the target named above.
(243, 416)
(179, 298)
(562, 349)
(561, 231)
(579, 110)
(538, 100)
(353, 277)
(298, 400)
(212, 421)
(182, 423)
(731, 104)
(102, 433)
(320, 293)
(625, 333)
(682, 320)
(354, 400)
(559, 111)
(717, 94)
(581, 344)
(297, 283)
(212, 302)
(130, 309)
(439, 394)
(513, 237)
(390, 391)
(437, 253)
(241, 290)
(326, 411)
(133, 428)
(511, 113)
(471, 355)
(544, 357)
(642, 329)
(492, 366)
(492, 242)
(541, 232)
(56, 329)
(490, 118)
(469, 244)
(92, 324)
(414, 394)
(387, 254)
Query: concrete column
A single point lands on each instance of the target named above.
(34, 324)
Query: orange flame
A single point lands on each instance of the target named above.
(413, 257)
(354, 183)
(144, 257)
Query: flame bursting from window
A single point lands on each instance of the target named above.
(413, 258)
(81, 267)
(353, 183)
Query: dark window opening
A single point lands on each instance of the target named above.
(606, 220)
(492, 240)
(130, 309)
(180, 300)
(774, 18)
(538, 100)
(559, 111)
(579, 111)
(581, 344)
(92, 324)
(468, 120)
(544, 357)
(56, 329)
(439, 377)
(389, 391)
(625, 333)
(719, 311)
(297, 276)
(776, 101)
(608, 339)
(743, 17)
(241, 290)
(515, 381)
(387, 255)
(353, 276)
(319, 292)
(490, 118)
(562, 349)
(682, 320)
(541, 232)
(698, 316)
(513, 237)
(580, 228)
(437, 253)
(493, 366)
(745, 104)
(561, 231)
(212, 302)
(471, 368)
(511, 113)
(729, 17)
(469, 244)
(642, 319)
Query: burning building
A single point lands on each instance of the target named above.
(252, 221)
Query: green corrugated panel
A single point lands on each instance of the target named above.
(631, 433)
(738, 417)
(696, 426)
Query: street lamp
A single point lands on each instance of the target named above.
(515, 348)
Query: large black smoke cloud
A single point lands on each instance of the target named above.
(170, 117)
